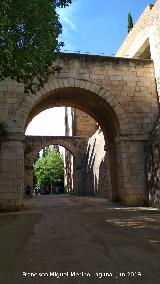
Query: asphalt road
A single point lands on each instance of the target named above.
(61, 239)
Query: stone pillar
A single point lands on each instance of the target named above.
(28, 176)
(80, 176)
(11, 175)
(131, 172)
(68, 172)
(112, 183)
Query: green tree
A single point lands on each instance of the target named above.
(130, 22)
(29, 31)
(49, 170)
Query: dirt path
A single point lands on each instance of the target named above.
(79, 240)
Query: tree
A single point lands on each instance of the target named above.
(130, 22)
(29, 31)
(49, 170)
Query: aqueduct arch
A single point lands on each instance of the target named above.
(92, 99)
(73, 92)
(75, 145)
(111, 90)
(97, 107)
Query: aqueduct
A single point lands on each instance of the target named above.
(120, 93)
(75, 145)
(111, 90)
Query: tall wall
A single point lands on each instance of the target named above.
(85, 125)
(69, 175)
(97, 166)
(145, 32)
(153, 166)
(141, 42)
(69, 121)
(77, 123)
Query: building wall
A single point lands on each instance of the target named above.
(147, 29)
(85, 125)
(69, 175)
(69, 121)
(97, 166)
(153, 166)
(119, 93)
(77, 123)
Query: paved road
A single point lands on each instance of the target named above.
(80, 240)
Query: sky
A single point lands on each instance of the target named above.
(94, 27)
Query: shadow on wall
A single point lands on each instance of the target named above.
(153, 175)
(68, 172)
(96, 169)
(153, 166)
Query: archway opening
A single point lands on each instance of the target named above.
(82, 99)
(105, 117)
(49, 169)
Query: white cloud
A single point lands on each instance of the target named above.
(68, 19)
(70, 23)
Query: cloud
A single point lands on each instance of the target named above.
(70, 23)
(69, 18)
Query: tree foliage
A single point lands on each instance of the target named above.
(49, 170)
(29, 31)
(130, 22)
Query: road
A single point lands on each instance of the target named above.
(61, 239)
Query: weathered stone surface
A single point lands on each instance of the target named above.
(153, 166)
(119, 93)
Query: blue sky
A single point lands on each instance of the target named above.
(89, 26)
(98, 26)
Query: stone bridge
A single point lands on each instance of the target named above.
(119, 93)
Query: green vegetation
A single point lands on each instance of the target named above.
(130, 22)
(29, 31)
(49, 170)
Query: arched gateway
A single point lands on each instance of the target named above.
(115, 93)
(75, 145)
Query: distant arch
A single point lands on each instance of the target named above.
(75, 145)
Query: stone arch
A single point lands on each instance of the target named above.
(20, 117)
(87, 96)
(75, 145)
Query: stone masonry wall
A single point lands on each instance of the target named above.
(153, 166)
(97, 166)
(147, 27)
(79, 123)
(86, 126)
(119, 93)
